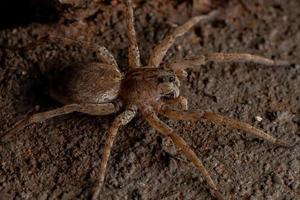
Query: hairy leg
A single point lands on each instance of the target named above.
(180, 103)
(133, 49)
(123, 119)
(165, 130)
(92, 109)
(179, 65)
(81, 14)
(104, 55)
(162, 47)
(219, 119)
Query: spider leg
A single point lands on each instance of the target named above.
(122, 119)
(133, 49)
(165, 130)
(243, 57)
(104, 55)
(219, 119)
(92, 109)
(179, 65)
(162, 47)
(82, 14)
(180, 103)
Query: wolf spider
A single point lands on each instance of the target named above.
(100, 89)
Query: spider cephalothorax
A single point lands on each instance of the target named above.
(149, 84)
(100, 89)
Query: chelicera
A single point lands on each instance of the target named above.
(101, 89)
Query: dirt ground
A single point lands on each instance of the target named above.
(58, 159)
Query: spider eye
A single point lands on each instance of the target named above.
(164, 79)
(172, 79)
(160, 79)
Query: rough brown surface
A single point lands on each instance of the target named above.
(59, 158)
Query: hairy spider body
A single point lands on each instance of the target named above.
(100, 89)
(146, 86)
(104, 83)
(101, 83)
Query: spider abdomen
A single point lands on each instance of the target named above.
(89, 83)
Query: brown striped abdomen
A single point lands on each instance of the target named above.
(86, 83)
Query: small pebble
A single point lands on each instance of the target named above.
(294, 165)
(258, 118)
(37, 107)
(267, 166)
(14, 31)
(295, 186)
(277, 179)
(178, 47)
(173, 166)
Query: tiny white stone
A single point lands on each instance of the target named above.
(37, 107)
(258, 118)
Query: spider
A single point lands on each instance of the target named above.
(101, 89)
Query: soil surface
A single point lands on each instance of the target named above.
(58, 159)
